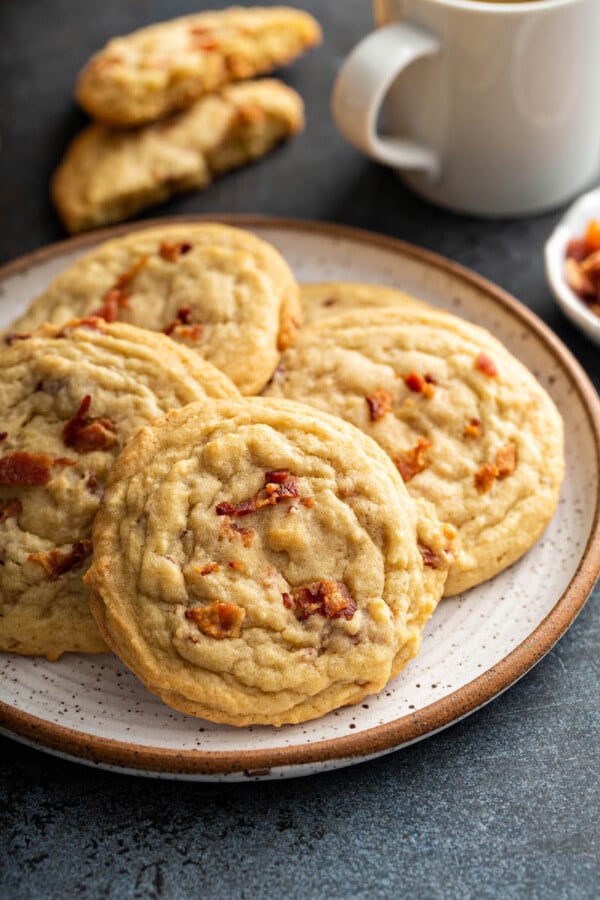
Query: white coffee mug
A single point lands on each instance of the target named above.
(491, 108)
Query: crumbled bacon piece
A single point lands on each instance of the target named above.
(503, 466)
(379, 403)
(330, 599)
(506, 461)
(172, 250)
(218, 620)
(413, 461)
(86, 434)
(287, 600)
(183, 325)
(24, 468)
(486, 364)
(279, 485)
(15, 336)
(117, 296)
(432, 559)
(91, 321)
(234, 564)
(56, 563)
(208, 568)
(420, 384)
(3, 435)
(474, 428)
(92, 484)
(230, 530)
(10, 509)
(309, 502)
(485, 477)
(329, 301)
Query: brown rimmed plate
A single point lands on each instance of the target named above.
(91, 709)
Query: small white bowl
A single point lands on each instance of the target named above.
(572, 225)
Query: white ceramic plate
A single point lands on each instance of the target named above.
(91, 708)
(572, 225)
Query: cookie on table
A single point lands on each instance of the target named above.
(70, 399)
(107, 176)
(468, 426)
(143, 76)
(223, 292)
(333, 298)
(258, 562)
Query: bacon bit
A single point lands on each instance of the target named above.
(379, 403)
(234, 564)
(56, 563)
(420, 384)
(93, 322)
(432, 559)
(171, 251)
(86, 434)
(92, 484)
(485, 477)
(577, 249)
(287, 601)
(329, 301)
(23, 468)
(486, 364)
(218, 620)
(116, 297)
(208, 568)
(15, 336)
(3, 435)
(64, 461)
(474, 429)
(330, 599)
(10, 509)
(183, 326)
(309, 502)
(279, 485)
(230, 530)
(413, 461)
(506, 461)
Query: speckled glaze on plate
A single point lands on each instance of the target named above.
(92, 709)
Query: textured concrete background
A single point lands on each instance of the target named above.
(503, 805)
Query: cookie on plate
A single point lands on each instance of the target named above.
(70, 399)
(332, 298)
(468, 426)
(258, 562)
(107, 176)
(140, 77)
(223, 292)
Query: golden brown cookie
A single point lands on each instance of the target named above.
(467, 425)
(258, 562)
(143, 76)
(223, 292)
(107, 176)
(70, 399)
(333, 298)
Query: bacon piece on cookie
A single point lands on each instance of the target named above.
(218, 620)
(327, 598)
(55, 562)
(379, 403)
(413, 461)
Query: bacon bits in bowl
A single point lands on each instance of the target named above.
(573, 263)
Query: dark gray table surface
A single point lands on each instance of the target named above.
(504, 804)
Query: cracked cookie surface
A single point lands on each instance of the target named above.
(142, 76)
(467, 425)
(257, 562)
(70, 399)
(227, 295)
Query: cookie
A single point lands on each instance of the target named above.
(258, 562)
(143, 76)
(333, 298)
(70, 399)
(224, 293)
(107, 176)
(469, 427)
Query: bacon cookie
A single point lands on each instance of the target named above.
(333, 298)
(107, 176)
(258, 562)
(227, 295)
(468, 427)
(70, 399)
(143, 76)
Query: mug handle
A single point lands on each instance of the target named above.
(361, 86)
